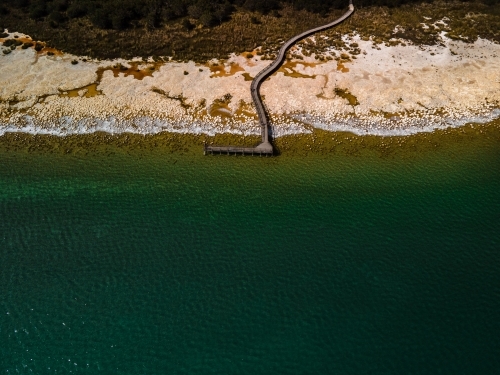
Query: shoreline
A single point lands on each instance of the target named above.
(382, 90)
(317, 143)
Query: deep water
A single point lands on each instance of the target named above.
(182, 264)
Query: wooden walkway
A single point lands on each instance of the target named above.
(265, 146)
(235, 150)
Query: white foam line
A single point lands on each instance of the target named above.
(380, 128)
(146, 125)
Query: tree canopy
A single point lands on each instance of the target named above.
(121, 14)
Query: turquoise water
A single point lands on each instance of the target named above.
(171, 264)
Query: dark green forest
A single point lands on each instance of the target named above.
(123, 14)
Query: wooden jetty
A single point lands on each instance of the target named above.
(260, 150)
(265, 147)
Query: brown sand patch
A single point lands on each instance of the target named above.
(289, 69)
(89, 92)
(247, 77)
(220, 70)
(133, 70)
(220, 109)
(342, 68)
(346, 94)
(50, 51)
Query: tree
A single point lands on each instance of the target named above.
(222, 11)
(100, 18)
(154, 10)
(120, 19)
(76, 10)
(207, 19)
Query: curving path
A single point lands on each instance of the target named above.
(265, 146)
(270, 69)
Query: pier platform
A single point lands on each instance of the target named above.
(263, 149)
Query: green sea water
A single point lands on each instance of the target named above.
(154, 263)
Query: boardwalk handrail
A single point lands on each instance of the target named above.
(271, 68)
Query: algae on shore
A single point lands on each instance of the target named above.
(317, 143)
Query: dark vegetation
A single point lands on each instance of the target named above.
(122, 14)
(204, 29)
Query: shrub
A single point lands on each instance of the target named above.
(207, 19)
(12, 43)
(195, 11)
(27, 45)
(74, 62)
(56, 17)
(76, 10)
(263, 6)
(21, 3)
(4, 11)
(38, 10)
(186, 73)
(59, 5)
(120, 19)
(187, 24)
(255, 20)
(101, 19)
(38, 47)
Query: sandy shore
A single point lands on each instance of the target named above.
(384, 90)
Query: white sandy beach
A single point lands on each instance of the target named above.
(399, 90)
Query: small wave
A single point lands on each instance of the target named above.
(376, 125)
(397, 127)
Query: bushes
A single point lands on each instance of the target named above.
(20, 3)
(207, 19)
(255, 20)
(262, 6)
(38, 10)
(120, 19)
(121, 14)
(12, 42)
(76, 10)
(59, 5)
(56, 17)
(187, 24)
(101, 19)
(4, 10)
(210, 13)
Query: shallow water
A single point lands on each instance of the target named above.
(182, 264)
